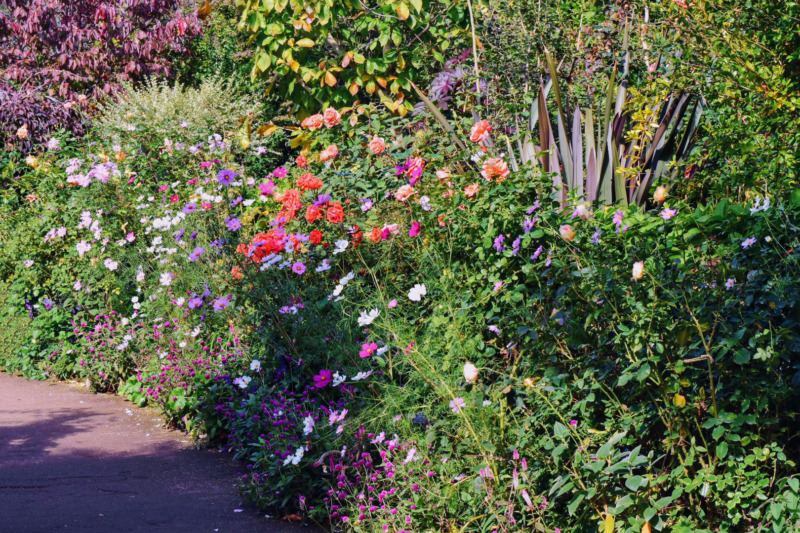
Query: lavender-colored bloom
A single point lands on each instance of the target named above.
(236, 202)
(747, 243)
(536, 205)
(425, 203)
(233, 223)
(515, 246)
(528, 224)
(226, 177)
(668, 213)
(179, 234)
(220, 242)
(299, 268)
(322, 199)
(729, 284)
(618, 216)
(494, 329)
(549, 258)
(498, 243)
(191, 207)
(193, 236)
(596, 237)
(457, 404)
(222, 302)
(195, 255)
(537, 253)
(366, 204)
(195, 302)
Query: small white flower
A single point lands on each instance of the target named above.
(338, 379)
(340, 246)
(295, 458)
(78, 286)
(367, 318)
(362, 375)
(308, 425)
(110, 264)
(28, 263)
(417, 292)
(243, 381)
(165, 279)
(255, 365)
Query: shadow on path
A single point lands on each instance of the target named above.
(74, 461)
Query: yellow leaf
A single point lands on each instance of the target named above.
(354, 88)
(679, 400)
(381, 82)
(646, 528)
(608, 524)
(403, 12)
(305, 43)
(267, 130)
(371, 87)
(330, 79)
(295, 66)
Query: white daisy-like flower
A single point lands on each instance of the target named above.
(308, 425)
(255, 365)
(340, 246)
(368, 317)
(417, 292)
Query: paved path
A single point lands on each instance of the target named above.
(75, 461)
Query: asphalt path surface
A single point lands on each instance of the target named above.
(75, 461)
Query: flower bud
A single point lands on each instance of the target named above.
(660, 195)
(470, 373)
(567, 233)
(638, 270)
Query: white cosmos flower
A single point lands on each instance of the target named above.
(243, 381)
(165, 279)
(367, 318)
(338, 379)
(362, 375)
(294, 459)
(255, 364)
(417, 292)
(308, 425)
(340, 246)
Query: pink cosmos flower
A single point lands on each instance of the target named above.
(414, 231)
(457, 404)
(367, 349)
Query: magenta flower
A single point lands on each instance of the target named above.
(299, 268)
(367, 349)
(414, 231)
(322, 379)
(392, 304)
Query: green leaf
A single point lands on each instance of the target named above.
(634, 483)
(722, 450)
(560, 430)
(417, 5)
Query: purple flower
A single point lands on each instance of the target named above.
(747, 243)
(498, 243)
(515, 246)
(494, 329)
(668, 213)
(222, 302)
(233, 223)
(191, 207)
(729, 284)
(549, 259)
(537, 253)
(528, 224)
(618, 216)
(179, 234)
(322, 199)
(596, 237)
(536, 205)
(299, 268)
(322, 379)
(195, 302)
(194, 256)
(193, 236)
(236, 202)
(498, 286)
(366, 204)
(457, 404)
(226, 177)
(280, 172)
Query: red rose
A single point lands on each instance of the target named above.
(335, 213)
(315, 237)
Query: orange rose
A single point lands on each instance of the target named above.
(313, 122)
(471, 190)
(315, 237)
(495, 167)
(291, 199)
(329, 153)
(375, 235)
(313, 213)
(335, 213)
(480, 131)
(404, 193)
(309, 182)
(377, 145)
